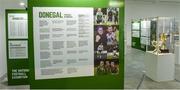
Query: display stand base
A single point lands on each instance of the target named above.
(164, 51)
(160, 67)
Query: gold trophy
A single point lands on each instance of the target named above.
(156, 45)
(163, 47)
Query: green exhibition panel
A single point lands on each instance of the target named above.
(136, 43)
(135, 33)
(145, 33)
(17, 47)
(76, 44)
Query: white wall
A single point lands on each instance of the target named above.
(137, 10)
(5, 4)
(1, 59)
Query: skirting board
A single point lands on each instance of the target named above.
(3, 77)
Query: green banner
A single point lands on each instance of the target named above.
(17, 47)
(76, 44)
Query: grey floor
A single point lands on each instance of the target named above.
(134, 67)
(4, 85)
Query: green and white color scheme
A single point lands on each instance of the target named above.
(17, 47)
(62, 39)
(62, 36)
(141, 33)
(135, 33)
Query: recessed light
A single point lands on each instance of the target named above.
(22, 4)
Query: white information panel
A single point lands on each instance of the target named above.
(145, 40)
(63, 42)
(136, 26)
(145, 32)
(135, 34)
(145, 24)
(17, 26)
(18, 49)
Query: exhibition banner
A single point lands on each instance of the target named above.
(76, 42)
(17, 47)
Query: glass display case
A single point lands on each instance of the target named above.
(161, 35)
(176, 33)
(160, 53)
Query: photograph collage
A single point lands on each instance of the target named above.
(106, 41)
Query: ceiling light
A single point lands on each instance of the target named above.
(22, 4)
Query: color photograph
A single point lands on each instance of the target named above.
(106, 67)
(106, 16)
(106, 39)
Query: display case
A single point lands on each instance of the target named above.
(148, 32)
(135, 33)
(176, 35)
(160, 58)
(162, 35)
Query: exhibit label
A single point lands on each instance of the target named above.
(63, 42)
(18, 49)
(17, 26)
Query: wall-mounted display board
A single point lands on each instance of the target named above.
(76, 42)
(135, 32)
(17, 47)
(145, 33)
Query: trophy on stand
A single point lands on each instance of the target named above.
(156, 45)
(163, 40)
